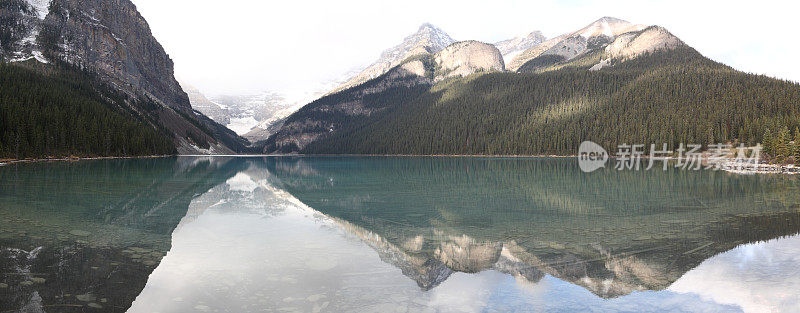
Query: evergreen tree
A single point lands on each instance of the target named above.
(797, 144)
(783, 144)
(61, 111)
(666, 97)
(768, 142)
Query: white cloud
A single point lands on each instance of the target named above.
(243, 47)
(760, 277)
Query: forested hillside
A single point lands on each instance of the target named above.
(59, 111)
(673, 96)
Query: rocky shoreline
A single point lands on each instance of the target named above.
(752, 169)
(5, 162)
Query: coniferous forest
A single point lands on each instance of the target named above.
(671, 97)
(60, 111)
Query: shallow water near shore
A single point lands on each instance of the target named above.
(384, 234)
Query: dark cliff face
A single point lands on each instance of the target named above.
(111, 38)
(17, 18)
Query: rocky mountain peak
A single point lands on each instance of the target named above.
(428, 39)
(611, 20)
(113, 39)
(512, 47)
(427, 27)
(468, 57)
(110, 39)
(607, 26)
(432, 34)
(593, 37)
(630, 45)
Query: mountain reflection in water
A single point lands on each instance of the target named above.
(405, 234)
(78, 235)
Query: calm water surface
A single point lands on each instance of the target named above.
(393, 235)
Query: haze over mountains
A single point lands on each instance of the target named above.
(428, 40)
(250, 116)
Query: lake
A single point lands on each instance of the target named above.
(393, 234)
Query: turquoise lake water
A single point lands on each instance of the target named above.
(370, 234)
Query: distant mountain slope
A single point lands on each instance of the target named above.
(511, 48)
(200, 102)
(647, 100)
(428, 39)
(610, 82)
(111, 39)
(254, 117)
(251, 114)
(401, 85)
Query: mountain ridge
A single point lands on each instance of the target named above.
(428, 39)
(610, 68)
(576, 43)
(510, 48)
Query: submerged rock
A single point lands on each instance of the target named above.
(86, 297)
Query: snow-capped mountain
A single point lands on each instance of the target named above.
(202, 104)
(603, 43)
(258, 116)
(607, 26)
(313, 122)
(511, 48)
(427, 40)
(569, 46)
(250, 116)
(244, 113)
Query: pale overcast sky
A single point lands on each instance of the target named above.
(248, 46)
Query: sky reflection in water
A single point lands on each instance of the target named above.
(247, 245)
(394, 235)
